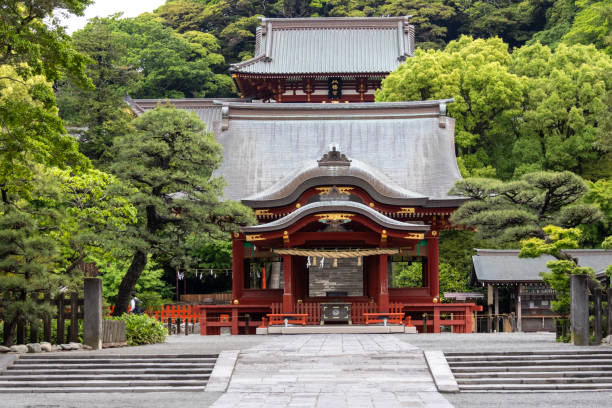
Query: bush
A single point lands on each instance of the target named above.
(142, 329)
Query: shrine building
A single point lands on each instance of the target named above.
(348, 193)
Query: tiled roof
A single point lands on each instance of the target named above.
(409, 143)
(504, 266)
(329, 46)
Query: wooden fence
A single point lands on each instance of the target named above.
(68, 310)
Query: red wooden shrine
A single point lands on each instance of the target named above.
(338, 208)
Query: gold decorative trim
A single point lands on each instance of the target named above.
(407, 210)
(345, 190)
(254, 237)
(434, 233)
(263, 213)
(323, 190)
(298, 205)
(334, 216)
(415, 235)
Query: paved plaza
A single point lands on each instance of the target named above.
(332, 370)
(378, 370)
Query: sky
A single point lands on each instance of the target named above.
(103, 8)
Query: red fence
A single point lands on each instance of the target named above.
(171, 312)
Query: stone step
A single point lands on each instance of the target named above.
(83, 366)
(71, 371)
(536, 368)
(536, 374)
(108, 376)
(101, 383)
(525, 353)
(498, 357)
(515, 363)
(87, 390)
(113, 356)
(112, 361)
(534, 387)
(544, 380)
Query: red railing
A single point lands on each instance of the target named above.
(170, 312)
(313, 309)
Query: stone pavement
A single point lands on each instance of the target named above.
(334, 370)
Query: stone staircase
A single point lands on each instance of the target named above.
(537, 371)
(107, 373)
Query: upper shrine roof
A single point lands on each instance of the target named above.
(336, 45)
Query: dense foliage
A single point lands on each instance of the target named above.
(142, 329)
(533, 109)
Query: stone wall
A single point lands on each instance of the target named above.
(346, 277)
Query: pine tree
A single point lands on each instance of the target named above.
(507, 212)
(27, 259)
(170, 159)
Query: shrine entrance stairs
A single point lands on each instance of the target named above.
(536, 371)
(106, 373)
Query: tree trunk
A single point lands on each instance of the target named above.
(9, 331)
(139, 262)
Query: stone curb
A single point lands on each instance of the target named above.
(440, 371)
(222, 372)
(6, 360)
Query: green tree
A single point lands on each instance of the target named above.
(170, 65)
(488, 97)
(430, 19)
(34, 42)
(89, 211)
(150, 288)
(451, 279)
(592, 25)
(101, 112)
(27, 260)
(559, 17)
(30, 132)
(513, 20)
(555, 241)
(507, 212)
(565, 108)
(170, 158)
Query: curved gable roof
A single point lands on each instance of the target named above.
(312, 174)
(335, 206)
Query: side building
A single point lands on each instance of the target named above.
(514, 284)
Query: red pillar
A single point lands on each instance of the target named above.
(237, 267)
(383, 297)
(234, 320)
(288, 302)
(432, 264)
